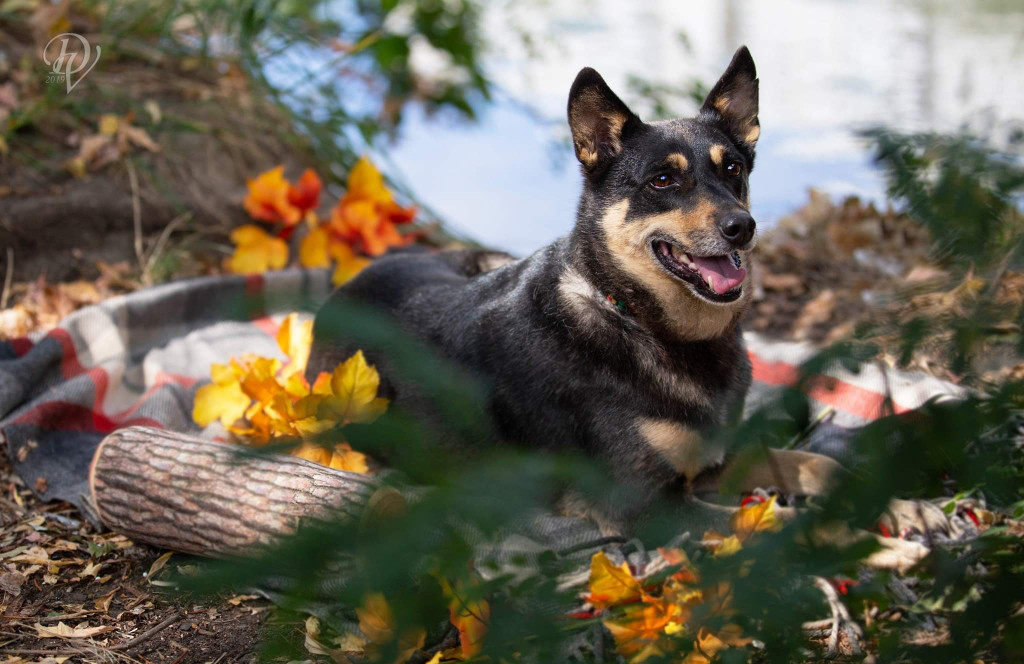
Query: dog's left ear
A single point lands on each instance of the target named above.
(598, 120)
(732, 103)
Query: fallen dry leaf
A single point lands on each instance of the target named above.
(158, 565)
(62, 631)
(11, 582)
(103, 603)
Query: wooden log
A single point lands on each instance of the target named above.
(198, 496)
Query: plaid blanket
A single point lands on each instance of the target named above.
(139, 358)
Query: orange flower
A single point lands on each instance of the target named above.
(366, 216)
(306, 194)
(268, 198)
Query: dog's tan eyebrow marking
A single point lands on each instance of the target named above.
(717, 152)
(678, 160)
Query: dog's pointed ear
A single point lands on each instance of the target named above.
(598, 120)
(732, 103)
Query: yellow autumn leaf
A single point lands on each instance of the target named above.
(353, 396)
(366, 182)
(295, 338)
(377, 624)
(313, 250)
(108, 124)
(345, 458)
(610, 584)
(722, 545)
(347, 263)
(256, 251)
(223, 399)
(753, 518)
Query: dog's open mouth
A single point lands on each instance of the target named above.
(715, 278)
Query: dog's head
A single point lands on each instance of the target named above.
(667, 203)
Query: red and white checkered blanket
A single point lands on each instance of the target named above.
(138, 359)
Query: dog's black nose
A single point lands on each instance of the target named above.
(737, 228)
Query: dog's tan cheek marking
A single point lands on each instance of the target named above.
(678, 160)
(691, 317)
(683, 448)
(717, 152)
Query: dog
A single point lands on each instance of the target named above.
(622, 340)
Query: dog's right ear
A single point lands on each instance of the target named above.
(598, 120)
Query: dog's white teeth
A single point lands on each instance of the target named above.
(736, 260)
(711, 281)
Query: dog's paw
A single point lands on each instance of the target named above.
(916, 520)
(897, 554)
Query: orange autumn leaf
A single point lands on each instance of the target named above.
(305, 194)
(366, 216)
(753, 518)
(469, 616)
(268, 198)
(610, 584)
(256, 251)
(709, 644)
(642, 626)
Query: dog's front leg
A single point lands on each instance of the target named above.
(806, 474)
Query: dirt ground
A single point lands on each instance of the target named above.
(74, 578)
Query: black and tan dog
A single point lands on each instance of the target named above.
(622, 339)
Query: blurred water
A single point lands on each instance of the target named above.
(827, 68)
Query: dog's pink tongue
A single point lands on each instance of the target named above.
(724, 274)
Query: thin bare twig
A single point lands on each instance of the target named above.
(154, 251)
(8, 278)
(133, 180)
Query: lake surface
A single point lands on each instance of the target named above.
(827, 68)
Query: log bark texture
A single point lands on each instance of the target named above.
(198, 496)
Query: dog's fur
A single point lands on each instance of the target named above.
(594, 343)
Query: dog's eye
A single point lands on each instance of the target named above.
(661, 181)
(734, 168)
